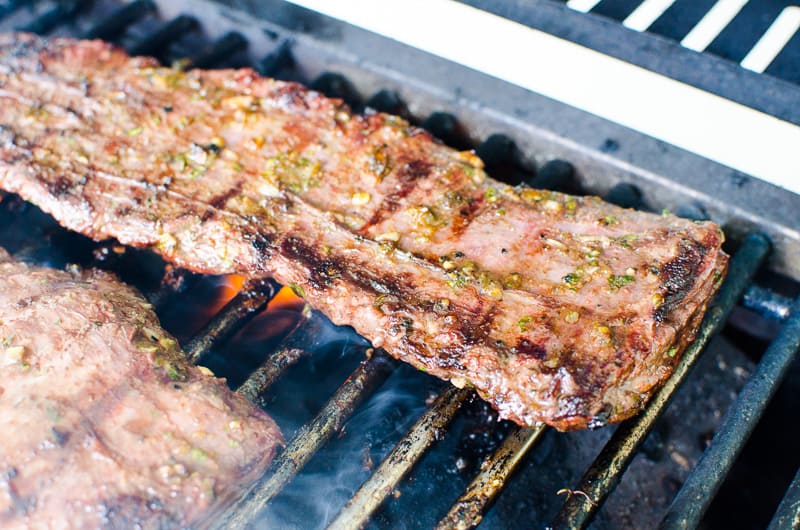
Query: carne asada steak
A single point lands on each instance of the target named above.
(104, 422)
(557, 309)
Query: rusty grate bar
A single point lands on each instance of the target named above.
(401, 460)
(236, 313)
(302, 339)
(704, 481)
(788, 513)
(310, 438)
(607, 469)
(468, 510)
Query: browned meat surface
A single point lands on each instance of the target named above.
(558, 309)
(104, 423)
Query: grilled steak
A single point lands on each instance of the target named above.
(557, 309)
(104, 422)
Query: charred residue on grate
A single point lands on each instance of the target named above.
(456, 456)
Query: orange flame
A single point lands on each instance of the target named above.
(231, 285)
(285, 299)
(280, 316)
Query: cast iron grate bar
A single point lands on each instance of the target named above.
(468, 510)
(60, 14)
(402, 459)
(788, 513)
(767, 303)
(236, 313)
(309, 438)
(607, 469)
(117, 22)
(704, 481)
(157, 42)
(241, 309)
(304, 338)
(221, 49)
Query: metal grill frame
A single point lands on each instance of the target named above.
(584, 501)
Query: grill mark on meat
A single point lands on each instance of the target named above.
(475, 261)
(218, 203)
(254, 230)
(466, 215)
(476, 330)
(678, 276)
(448, 358)
(473, 327)
(407, 176)
(585, 376)
(413, 170)
(62, 186)
(526, 347)
(321, 271)
(261, 243)
(636, 342)
(324, 270)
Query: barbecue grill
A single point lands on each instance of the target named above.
(391, 447)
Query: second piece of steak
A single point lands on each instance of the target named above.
(104, 422)
(557, 309)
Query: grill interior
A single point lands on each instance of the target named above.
(373, 442)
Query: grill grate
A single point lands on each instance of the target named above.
(701, 486)
(581, 503)
(233, 317)
(298, 343)
(607, 469)
(312, 436)
(759, 35)
(468, 510)
(788, 513)
(402, 459)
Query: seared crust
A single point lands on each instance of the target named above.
(557, 309)
(104, 422)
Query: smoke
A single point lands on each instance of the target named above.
(319, 491)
